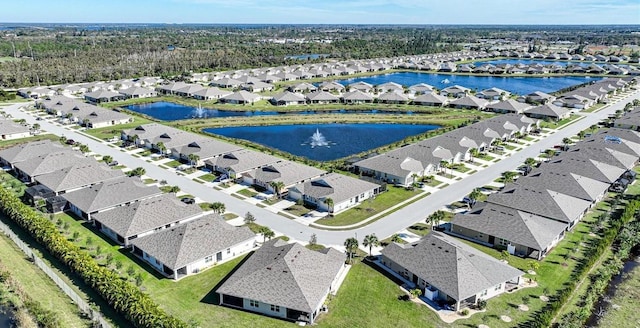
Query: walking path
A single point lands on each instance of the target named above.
(383, 227)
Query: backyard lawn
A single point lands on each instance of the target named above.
(111, 131)
(368, 208)
(38, 286)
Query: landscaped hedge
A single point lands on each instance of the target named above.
(544, 317)
(125, 298)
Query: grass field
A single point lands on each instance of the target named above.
(111, 131)
(626, 300)
(38, 286)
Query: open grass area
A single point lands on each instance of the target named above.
(38, 286)
(247, 192)
(173, 164)
(626, 299)
(559, 124)
(420, 229)
(368, 208)
(297, 210)
(207, 177)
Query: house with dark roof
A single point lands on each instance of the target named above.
(509, 106)
(241, 97)
(520, 233)
(10, 130)
(101, 96)
(548, 111)
(344, 192)
(469, 102)
(430, 99)
(630, 120)
(286, 281)
(356, 97)
(543, 202)
(194, 246)
(48, 163)
(26, 151)
(145, 217)
(77, 177)
(287, 172)
(238, 163)
(537, 97)
(322, 97)
(204, 148)
(449, 271)
(288, 98)
(493, 94)
(109, 194)
(455, 91)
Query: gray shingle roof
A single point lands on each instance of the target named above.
(602, 154)
(545, 202)
(242, 160)
(30, 150)
(111, 193)
(510, 224)
(451, 266)
(470, 101)
(192, 241)
(147, 214)
(568, 183)
(586, 167)
(509, 105)
(549, 110)
(287, 275)
(51, 162)
(9, 127)
(336, 186)
(431, 98)
(286, 171)
(357, 95)
(78, 176)
(206, 148)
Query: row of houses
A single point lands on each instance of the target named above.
(529, 216)
(537, 68)
(591, 94)
(175, 238)
(72, 110)
(299, 181)
(402, 165)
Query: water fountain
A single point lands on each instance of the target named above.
(318, 140)
(199, 113)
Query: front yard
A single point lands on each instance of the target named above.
(368, 208)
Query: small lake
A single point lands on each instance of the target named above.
(5, 318)
(324, 142)
(168, 111)
(306, 56)
(517, 85)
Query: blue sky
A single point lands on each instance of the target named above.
(325, 11)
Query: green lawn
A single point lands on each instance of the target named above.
(460, 168)
(297, 210)
(229, 216)
(626, 298)
(420, 229)
(38, 286)
(247, 193)
(486, 157)
(383, 201)
(173, 164)
(207, 177)
(561, 123)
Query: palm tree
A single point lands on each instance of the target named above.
(530, 162)
(193, 158)
(474, 152)
(35, 127)
(593, 128)
(581, 135)
(218, 207)
(444, 165)
(351, 244)
(84, 148)
(329, 203)
(161, 147)
(107, 159)
(267, 233)
(435, 218)
(414, 176)
(549, 153)
(566, 142)
(395, 238)
(474, 196)
(277, 187)
(138, 172)
(370, 241)
(135, 138)
(508, 176)
(415, 293)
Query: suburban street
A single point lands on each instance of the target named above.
(383, 228)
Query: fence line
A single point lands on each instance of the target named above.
(95, 315)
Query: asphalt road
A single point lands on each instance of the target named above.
(383, 228)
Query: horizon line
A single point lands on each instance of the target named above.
(330, 24)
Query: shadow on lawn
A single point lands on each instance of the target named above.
(214, 298)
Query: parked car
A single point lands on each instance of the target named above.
(70, 142)
(188, 200)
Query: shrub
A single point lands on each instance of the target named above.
(465, 312)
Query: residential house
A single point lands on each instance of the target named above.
(322, 97)
(138, 92)
(509, 106)
(469, 102)
(537, 98)
(331, 86)
(288, 98)
(421, 88)
(344, 192)
(520, 233)
(101, 96)
(304, 87)
(145, 217)
(107, 195)
(455, 91)
(431, 99)
(204, 149)
(9, 130)
(241, 97)
(77, 177)
(48, 163)
(210, 93)
(287, 172)
(357, 97)
(493, 94)
(548, 112)
(194, 246)
(449, 271)
(286, 281)
(23, 152)
(392, 97)
(236, 164)
(361, 86)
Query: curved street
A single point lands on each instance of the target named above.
(383, 227)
